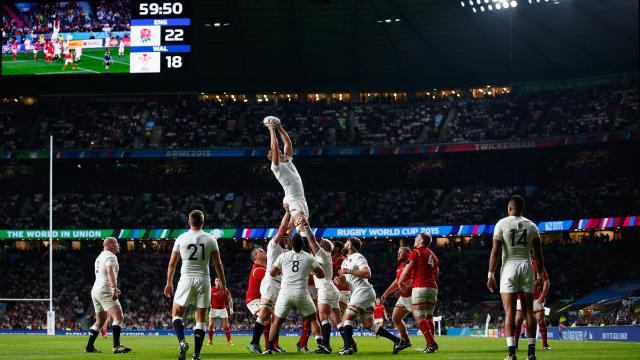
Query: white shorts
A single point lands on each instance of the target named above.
(269, 290)
(195, 291)
(329, 295)
(516, 276)
(286, 302)
(103, 301)
(345, 296)
(378, 321)
(404, 302)
(424, 295)
(297, 206)
(121, 52)
(537, 306)
(254, 306)
(313, 291)
(363, 298)
(218, 313)
(68, 61)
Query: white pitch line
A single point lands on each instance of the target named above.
(91, 71)
(99, 58)
(66, 72)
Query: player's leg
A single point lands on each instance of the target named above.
(519, 321)
(115, 313)
(367, 323)
(281, 310)
(181, 300)
(274, 333)
(198, 333)
(422, 303)
(542, 325)
(347, 330)
(324, 314)
(527, 309)
(397, 317)
(509, 304)
(225, 328)
(212, 321)
(262, 323)
(101, 317)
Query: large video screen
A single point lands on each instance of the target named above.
(93, 37)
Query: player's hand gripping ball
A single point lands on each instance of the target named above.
(271, 120)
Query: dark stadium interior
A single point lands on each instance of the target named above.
(402, 113)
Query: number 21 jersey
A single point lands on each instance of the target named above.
(195, 247)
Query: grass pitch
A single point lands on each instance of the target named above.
(91, 62)
(165, 347)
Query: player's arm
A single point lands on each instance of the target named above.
(111, 278)
(171, 270)
(284, 224)
(545, 288)
(390, 290)
(364, 273)
(384, 312)
(276, 268)
(537, 255)
(313, 242)
(288, 146)
(318, 272)
(405, 273)
(230, 302)
(275, 151)
(493, 263)
(217, 264)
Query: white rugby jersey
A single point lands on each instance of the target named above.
(195, 247)
(106, 258)
(323, 258)
(516, 234)
(295, 268)
(289, 178)
(273, 251)
(352, 262)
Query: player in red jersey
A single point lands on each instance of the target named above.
(50, 51)
(403, 305)
(252, 298)
(14, 49)
(423, 265)
(36, 47)
(220, 299)
(337, 257)
(379, 313)
(68, 59)
(539, 297)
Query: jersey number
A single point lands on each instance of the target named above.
(430, 261)
(522, 240)
(195, 251)
(296, 266)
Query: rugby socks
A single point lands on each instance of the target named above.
(516, 335)
(178, 327)
(326, 332)
(210, 335)
(227, 333)
(381, 331)
(257, 331)
(532, 346)
(426, 332)
(116, 329)
(348, 333)
(93, 334)
(511, 344)
(543, 334)
(432, 326)
(198, 334)
(306, 331)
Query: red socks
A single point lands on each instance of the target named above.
(306, 331)
(267, 328)
(543, 333)
(210, 335)
(227, 333)
(426, 331)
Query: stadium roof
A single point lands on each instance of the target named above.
(409, 44)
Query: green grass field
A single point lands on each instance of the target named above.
(165, 347)
(91, 62)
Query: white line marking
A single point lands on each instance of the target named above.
(99, 58)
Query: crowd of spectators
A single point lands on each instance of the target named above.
(185, 121)
(462, 298)
(72, 15)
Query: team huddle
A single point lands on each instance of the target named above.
(327, 283)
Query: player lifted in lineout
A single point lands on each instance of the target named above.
(286, 173)
(195, 248)
(517, 235)
(104, 295)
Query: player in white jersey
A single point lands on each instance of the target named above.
(104, 295)
(196, 248)
(57, 49)
(355, 269)
(286, 172)
(121, 48)
(56, 29)
(516, 235)
(27, 46)
(328, 293)
(270, 286)
(78, 51)
(294, 266)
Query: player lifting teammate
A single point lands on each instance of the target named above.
(195, 248)
(516, 235)
(423, 268)
(104, 295)
(403, 304)
(220, 300)
(337, 257)
(294, 266)
(270, 286)
(356, 270)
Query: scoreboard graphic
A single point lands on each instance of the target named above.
(159, 37)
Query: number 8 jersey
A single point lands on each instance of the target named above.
(195, 247)
(295, 268)
(516, 234)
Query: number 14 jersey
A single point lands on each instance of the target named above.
(516, 234)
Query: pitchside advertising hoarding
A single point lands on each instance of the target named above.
(367, 232)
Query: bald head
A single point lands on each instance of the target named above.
(111, 244)
(403, 254)
(326, 245)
